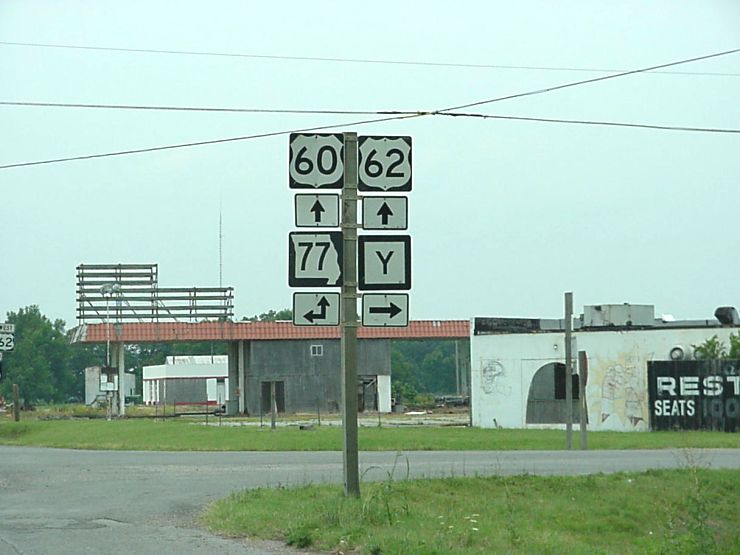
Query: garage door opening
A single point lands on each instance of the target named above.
(266, 397)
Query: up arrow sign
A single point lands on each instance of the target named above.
(317, 209)
(384, 212)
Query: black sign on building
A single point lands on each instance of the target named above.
(694, 395)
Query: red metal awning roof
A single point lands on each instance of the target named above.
(259, 331)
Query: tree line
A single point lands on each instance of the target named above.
(50, 369)
(715, 349)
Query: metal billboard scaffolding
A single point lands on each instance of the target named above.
(120, 292)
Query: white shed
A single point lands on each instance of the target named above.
(95, 389)
(195, 379)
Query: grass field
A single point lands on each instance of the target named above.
(192, 435)
(692, 510)
(681, 511)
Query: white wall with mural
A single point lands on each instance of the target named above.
(503, 366)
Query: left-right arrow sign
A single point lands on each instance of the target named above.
(316, 309)
(385, 310)
(314, 315)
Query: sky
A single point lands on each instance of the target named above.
(505, 215)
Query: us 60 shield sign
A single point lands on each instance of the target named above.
(316, 161)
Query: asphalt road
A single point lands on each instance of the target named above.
(61, 501)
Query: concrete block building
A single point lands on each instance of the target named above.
(306, 376)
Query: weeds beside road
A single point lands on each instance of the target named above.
(193, 435)
(661, 511)
(693, 510)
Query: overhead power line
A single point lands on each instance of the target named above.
(352, 60)
(201, 143)
(444, 111)
(593, 122)
(450, 109)
(195, 108)
(370, 113)
(367, 122)
(593, 80)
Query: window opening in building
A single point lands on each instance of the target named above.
(317, 350)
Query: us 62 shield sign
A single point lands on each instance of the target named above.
(316, 161)
(7, 341)
(315, 259)
(385, 163)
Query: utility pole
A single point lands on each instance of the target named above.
(582, 379)
(121, 364)
(348, 306)
(105, 290)
(273, 406)
(458, 381)
(568, 370)
(16, 403)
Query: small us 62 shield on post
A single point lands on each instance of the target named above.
(315, 259)
(316, 161)
(384, 164)
(7, 337)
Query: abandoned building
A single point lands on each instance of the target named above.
(303, 362)
(518, 371)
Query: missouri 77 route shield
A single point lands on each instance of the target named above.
(315, 259)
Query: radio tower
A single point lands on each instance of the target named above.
(220, 247)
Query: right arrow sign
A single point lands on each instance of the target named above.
(385, 310)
